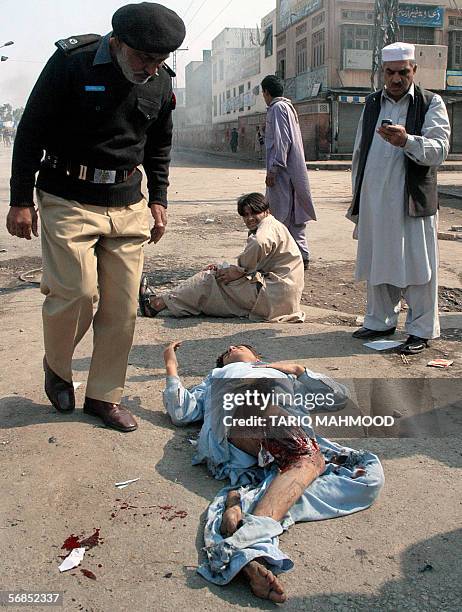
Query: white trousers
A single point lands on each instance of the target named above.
(384, 304)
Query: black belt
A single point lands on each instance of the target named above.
(86, 173)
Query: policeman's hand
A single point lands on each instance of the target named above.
(394, 134)
(226, 275)
(270, 180)
(288, 368)
(21, 221)
(159, 214)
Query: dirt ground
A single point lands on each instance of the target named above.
(59, 471)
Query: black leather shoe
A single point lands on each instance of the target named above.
(306, 264)
(413, 345)
(365, 334)
(59, 391)
(115, 416)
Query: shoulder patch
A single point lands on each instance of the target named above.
(68, 45)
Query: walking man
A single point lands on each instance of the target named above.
(234, 140)
(288, 188)
(403, 136)
(101, 107)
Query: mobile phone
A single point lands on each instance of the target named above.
(386, 122)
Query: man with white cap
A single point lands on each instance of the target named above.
(402, 137)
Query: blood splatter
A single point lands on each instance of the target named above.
(71, 542)
(88, 574)
(92, 540)
(74, 542)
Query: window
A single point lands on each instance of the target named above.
(417, 35)
(215, 106)
(318, 49)
(358, 15)
(228, 99)
(222, 69)
(214, 70)
(455, 21)
(241, 98)
(300, 54)
(269, 41)
(281, 64)
(455, 50)
(357, 37)
(317, 20)
(301, 29)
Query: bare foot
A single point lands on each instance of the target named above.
(157, 303)
(264, 583)
(232, 516)
(230, 521)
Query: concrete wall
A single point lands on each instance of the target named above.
(431, 61)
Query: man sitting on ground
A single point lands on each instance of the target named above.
(278, 475)
(266, 284)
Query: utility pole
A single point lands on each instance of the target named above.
(174, 83)
(386, 31)
(174, 63)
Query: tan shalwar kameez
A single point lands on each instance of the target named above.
(271, 289)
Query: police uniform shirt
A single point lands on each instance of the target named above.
(84, 112)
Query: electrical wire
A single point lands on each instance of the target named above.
(211, 22)
(187, 10)
(192, 18)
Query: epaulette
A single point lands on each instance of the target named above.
(68, 45)
(169, 70)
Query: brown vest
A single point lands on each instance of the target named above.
(421, 181)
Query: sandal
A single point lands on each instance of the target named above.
(144, 298)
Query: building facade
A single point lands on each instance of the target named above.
(195, 120)
(324, 52)
(241, 57)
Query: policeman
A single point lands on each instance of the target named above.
(101, 107)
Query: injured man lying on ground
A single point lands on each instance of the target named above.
(280, 471)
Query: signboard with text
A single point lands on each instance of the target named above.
(454, 80)
(291, 12)
(420, 15)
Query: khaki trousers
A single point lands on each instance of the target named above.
(91, 254)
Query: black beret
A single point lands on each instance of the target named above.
(149, 27)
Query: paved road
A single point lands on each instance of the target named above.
(59, 472)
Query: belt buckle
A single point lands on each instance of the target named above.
(104, 176)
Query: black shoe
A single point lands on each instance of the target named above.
(144, 299)
(306, 264)
(59, 391)
(365, 334)
(413, 345)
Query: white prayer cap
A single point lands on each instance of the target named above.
(398, 52)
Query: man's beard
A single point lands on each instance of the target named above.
(124, 65)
